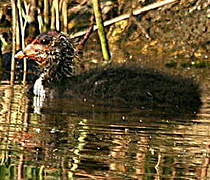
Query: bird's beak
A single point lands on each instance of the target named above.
(29, 51)
(20, 55)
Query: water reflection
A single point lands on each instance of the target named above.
(96, 141)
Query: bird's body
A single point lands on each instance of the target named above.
(125, 84)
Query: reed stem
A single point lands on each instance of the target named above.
(14, 17)
(101, 31)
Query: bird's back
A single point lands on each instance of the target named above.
(139, 87)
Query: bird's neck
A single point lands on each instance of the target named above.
(58, 68)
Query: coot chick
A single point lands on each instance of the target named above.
(129, 85)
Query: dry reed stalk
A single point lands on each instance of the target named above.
(46, 14)
(14, 19)
(53, 19)
(126, 16)
(40, 21)
(56, 6)
(22, 31)
(65, 16)
(55, 16)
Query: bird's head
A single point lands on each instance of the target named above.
(51, 45)
(54, 53)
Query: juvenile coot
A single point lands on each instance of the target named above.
(125, 84)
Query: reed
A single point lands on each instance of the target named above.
(47, 15)
(14, 19)
(101, 31)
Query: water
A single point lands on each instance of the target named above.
(77, 139)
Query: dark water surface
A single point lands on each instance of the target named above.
(75, 139)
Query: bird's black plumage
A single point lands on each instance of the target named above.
(125, 84)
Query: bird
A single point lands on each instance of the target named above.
(128, 85)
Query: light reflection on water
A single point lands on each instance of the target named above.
(72, 138)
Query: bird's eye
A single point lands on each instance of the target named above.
(45, 41)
